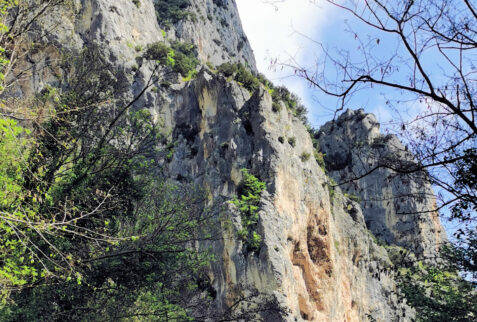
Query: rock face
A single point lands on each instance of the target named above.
(316, 259)
(217, 32)
(399, 208)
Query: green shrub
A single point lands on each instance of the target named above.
(252, 82)
(305, 156)
(169, 12)
(248, 203)
(184, 64)
(246, 78)
(185, 59)
(435, 289)
(263, 79)
(211, 66)
(319, 157)
(186, 48)
(227, 69)
(240, 74)
(181, 57)
(159, 51)
(292, 141)
(331, 188)
(255, 241)
(353, 197)
(292, 101)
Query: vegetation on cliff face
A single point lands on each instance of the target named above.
(179, 56)
(90, 228)
(442, 135)
(251, 82)
(81, 213)
(170, 12)
(83, 223)
(248, 203)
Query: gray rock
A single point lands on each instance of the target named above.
(317, 258)
(398, 208)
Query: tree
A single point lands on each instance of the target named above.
(78, 194)
(18, 35)
(422, 51)
(432, 65)
(89, 225)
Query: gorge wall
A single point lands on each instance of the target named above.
(317, 259)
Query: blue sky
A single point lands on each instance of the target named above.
(276, 32)
(290, 29)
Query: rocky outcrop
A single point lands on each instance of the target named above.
(216, 30)
(398, 207)
(316, 259)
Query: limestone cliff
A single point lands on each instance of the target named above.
(399, 208)
(317, 258)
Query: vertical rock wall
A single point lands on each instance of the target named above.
(399, 208)
(317, 258)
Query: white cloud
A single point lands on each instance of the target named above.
(278, 32)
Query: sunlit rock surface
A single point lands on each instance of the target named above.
(317, 259)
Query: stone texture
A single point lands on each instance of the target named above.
(317, 258)
(217, 33)
(398, 208)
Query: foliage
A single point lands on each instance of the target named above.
(185, 59)
(228, 69)
(161, 52)
(246, 78)
(248, 203)
(355, 198)
(142, 277)
(305, 156)
(465, 208)
(252, 82)
(331, 188)
(169, 12)
(16, 269)
(319, 157)
(240, 74)
(291, 101)
(436, 291)
(83, 219)
(180, 57)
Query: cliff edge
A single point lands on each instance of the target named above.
(316, 256)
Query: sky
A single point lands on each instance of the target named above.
(282, 31)
(288, 31)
